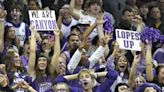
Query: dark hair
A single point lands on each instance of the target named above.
(22, 49)
(159, 67)
(39, 75)
(41, 49)
(8, 60)
(154, 6)
(95, 40)
(92, 2)
(126, 9)
(150, 10)
(68, 38)
(16, 7)
(6, 33)
(34, 1)
(120, 84)
(76, 27)
(126, 72)
(141, 4)
(44, 38)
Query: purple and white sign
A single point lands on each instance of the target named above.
(43, 20)
(128, 40)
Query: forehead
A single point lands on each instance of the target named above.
(84, 73)
(122, 87)
(128, 13)
(155, 9)
(32, 2)
(74, 37)
(61, 85)
(123, 58)
(11, 29)
(42, 57)
(95, 3)
(45, 40)
(16, 8)
(149, 89)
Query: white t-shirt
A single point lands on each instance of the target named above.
(66, 29)
(20, 32)
(91, 20)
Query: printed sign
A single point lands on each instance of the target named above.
(128, 40)
(43, 20)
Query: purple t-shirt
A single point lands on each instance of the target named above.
(43, 86)
(159, 56)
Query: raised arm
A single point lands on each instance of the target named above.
(59, 21)
(71, 8)
(100, 51)
(56, 51)
(72, 4)
(73, 63)
(90, 29)
(3, 14)
(149, 67)
(75, 76)
(111, 76)
(101, 35)
(1, 34)
(111, 59)
(32, 57)
(132, 75)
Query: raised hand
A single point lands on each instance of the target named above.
(24, 84)
(107, 37)
(137, 58)
(137, 19)
(61, 12)
(32, 28)
(3, 80)
(3, 68)
(56, 31)
(61, 68)
(3, 13)
(99, 19)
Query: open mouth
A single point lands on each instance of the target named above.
(85, 83)
(103, 61)
(122, 66)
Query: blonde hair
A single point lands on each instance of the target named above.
(90, 72)
(86, 71)
(62, 83)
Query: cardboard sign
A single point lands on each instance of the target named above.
(128, 40)
(43, 20)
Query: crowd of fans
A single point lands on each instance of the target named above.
(81, 54)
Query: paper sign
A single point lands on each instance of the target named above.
(43, 20)
(128, 40)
